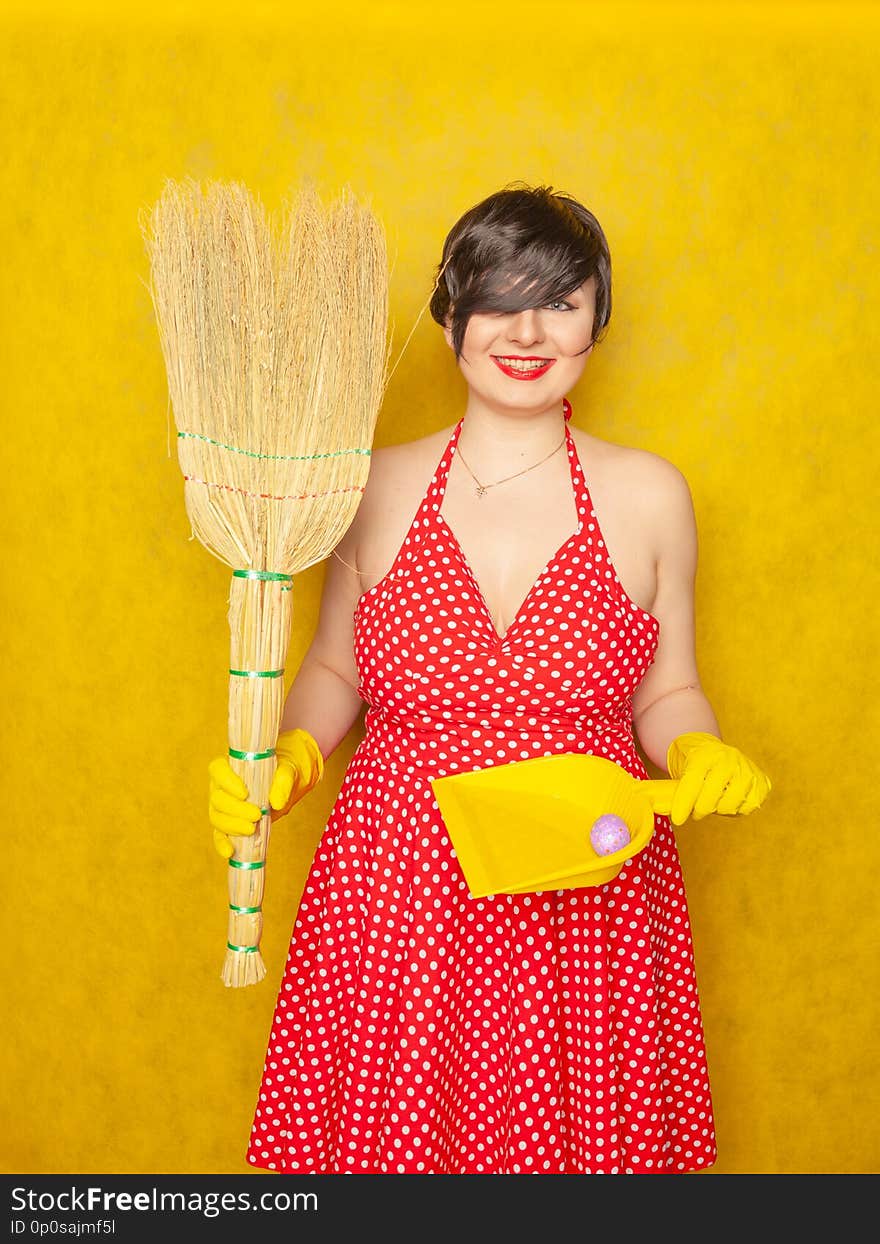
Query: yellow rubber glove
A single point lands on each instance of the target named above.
(299, 767)
(713, 777)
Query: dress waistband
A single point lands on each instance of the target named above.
(378, 717)
(434, 746)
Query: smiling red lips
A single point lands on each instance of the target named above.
(536, 366)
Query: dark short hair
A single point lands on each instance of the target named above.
(521, 247)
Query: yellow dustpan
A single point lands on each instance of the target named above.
(525, 826)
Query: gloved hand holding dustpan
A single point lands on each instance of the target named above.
(526, 826)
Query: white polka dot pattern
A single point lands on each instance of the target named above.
(421, 1030)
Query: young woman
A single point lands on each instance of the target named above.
(511, 587)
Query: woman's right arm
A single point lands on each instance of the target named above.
(323, 701)
(323, 697)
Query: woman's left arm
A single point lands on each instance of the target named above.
(673, 718)
(669, 701)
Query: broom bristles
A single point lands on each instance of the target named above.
(275, 344)
(275, 347)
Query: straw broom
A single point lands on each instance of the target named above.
(274, 342)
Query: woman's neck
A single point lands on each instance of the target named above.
(500, 440)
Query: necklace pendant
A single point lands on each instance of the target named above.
(480, 490)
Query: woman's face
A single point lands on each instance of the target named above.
(529, 360)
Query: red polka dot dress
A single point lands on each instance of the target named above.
(421, 1030)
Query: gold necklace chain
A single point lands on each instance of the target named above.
(482, 488)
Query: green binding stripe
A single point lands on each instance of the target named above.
(246, 863)
(250, 453)
(265, 811)
(271, 575)
(244, 911)
(251, 755)
(257, 673)
(245, 950)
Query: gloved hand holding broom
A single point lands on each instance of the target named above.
(300, 766)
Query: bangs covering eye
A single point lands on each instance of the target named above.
(535, 285)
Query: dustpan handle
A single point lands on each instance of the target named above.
(660, 792)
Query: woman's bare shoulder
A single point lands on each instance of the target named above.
(400, 471)
(639, 473)
(638, 491)
(398, 479)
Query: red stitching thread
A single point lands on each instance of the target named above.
(268, 496)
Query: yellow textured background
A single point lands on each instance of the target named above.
(730, 153)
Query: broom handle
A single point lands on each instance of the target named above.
(259, 625)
